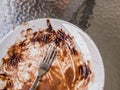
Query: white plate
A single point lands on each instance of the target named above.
(83, 41)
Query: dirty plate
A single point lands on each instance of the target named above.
(83, 42)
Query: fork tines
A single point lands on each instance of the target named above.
(51, 53)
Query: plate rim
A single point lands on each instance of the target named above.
(79, 30)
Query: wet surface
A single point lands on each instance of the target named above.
(99, 18)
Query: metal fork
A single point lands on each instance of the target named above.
(45, 65)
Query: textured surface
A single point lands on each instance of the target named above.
(15, 12)
(105, 31)
(99, 18)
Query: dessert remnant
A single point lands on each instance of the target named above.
(69, 70)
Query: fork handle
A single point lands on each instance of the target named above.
(35, 82)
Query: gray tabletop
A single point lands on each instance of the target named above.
(99, 18)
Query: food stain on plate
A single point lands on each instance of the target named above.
(69, 71)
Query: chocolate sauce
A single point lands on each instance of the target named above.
(49, 26)
(44, 37)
